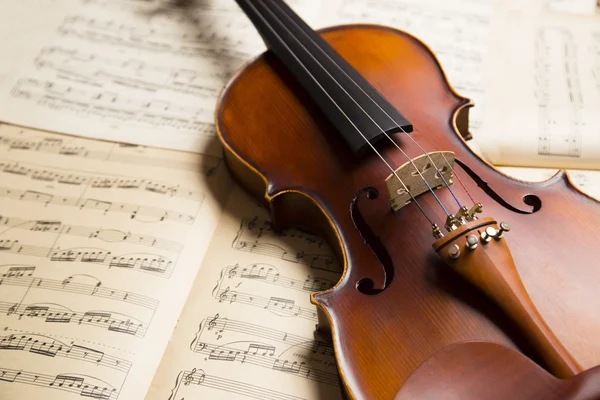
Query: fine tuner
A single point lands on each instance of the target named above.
(321, 125)
(472, 241)
(491, 268)
(422, 174)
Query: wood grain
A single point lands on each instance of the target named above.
(282, 149)
(463, 371)
(491, 268)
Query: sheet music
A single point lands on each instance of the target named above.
(99, 245)
(248, 328)
(458, 32)
(132, 71)
(545, 99)
(587, 181)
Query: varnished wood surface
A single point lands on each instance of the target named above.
(488, 371)
(283, 150)
(490, 268)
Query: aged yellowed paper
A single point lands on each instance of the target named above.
(99, 245)
(248, 328)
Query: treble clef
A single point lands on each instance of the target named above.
(189, 378)
(213, 322)
(13, 309)
(223, 296)
(233, 271)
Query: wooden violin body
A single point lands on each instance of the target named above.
(388, 343)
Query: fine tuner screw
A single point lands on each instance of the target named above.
(488, 234)
(472, 242)
(454, 251)
(491, 232)
(504, 227)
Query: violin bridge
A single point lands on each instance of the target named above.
(416, 182)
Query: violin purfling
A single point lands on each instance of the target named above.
(458, 280)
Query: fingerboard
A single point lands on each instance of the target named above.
(358, 111)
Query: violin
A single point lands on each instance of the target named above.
(459, 282)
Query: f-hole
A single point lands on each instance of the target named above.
(531, 199)
(366, 285)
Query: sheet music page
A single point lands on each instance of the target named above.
(134, 71)
(458, 32)
(248, 328)
(587, 181)
(99, 245)
(546, 94)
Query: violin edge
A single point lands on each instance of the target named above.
(260, 186)
(502, 361)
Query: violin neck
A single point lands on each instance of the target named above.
(356, 109)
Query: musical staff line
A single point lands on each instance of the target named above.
(106, 235)
(253, 237)
(264, 356)
(457, 37)
(96, 32)
(220, 326)
(73, 383)
(316, 261)
(15, 277)
(140, 262)
(269, 274)
(200, 378)
(278, 306)
(211, 32)
(153, 77)
(49, 347)
(126, 110)
(557, 86)
(136, 212)
(207, 163)
(106, 182)
(99, 319)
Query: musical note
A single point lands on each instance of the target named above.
(85, 386)
(456, 31)
(142, 213)
(263, 349)
(18, 271)
(224, 326)
(108, 73)
(200, 378)
(157, 77)
(558, 83)
(15, 277)
(69, 98)
(142, 262)
(267, 360)
(73, 178)
(117, 152)
(278, 306)
(257, 236)
(270, 274)
(289, 367)
(111, 321)
(50, 347)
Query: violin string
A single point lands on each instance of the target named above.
(362, 109)
(381, 108)
(345, 115)
(451, 168)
